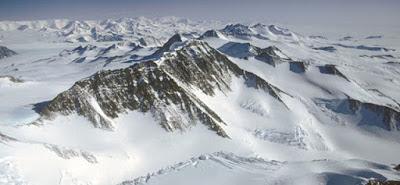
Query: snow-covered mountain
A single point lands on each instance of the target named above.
(174, 101)
(151, 32)
(256, 31)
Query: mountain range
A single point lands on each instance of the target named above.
(174, 101)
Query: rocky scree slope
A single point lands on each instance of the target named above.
(163, 88)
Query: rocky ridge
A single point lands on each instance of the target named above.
(161, 87)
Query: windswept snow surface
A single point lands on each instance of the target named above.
(310, 135)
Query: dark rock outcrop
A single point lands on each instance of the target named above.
(377, 113)
(109, 37)
(12, 79)
(369, 114)
(279, 31)
(168, 46)
(78, 50)
(5, 138)
(244, 32)
(326, 48)
(331, 70)
(143, 87)
(5, 52)
(239, 50)
(210, 34)
(238, 30)
(270, 55)
(374, 37)
(377, 182)
(346, 38)
(379, 56)
(363, 47)
(397, 167)
(318, 37)
(298, 66)
(210, 70)
(162, 89)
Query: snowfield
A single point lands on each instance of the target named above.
(195, 102)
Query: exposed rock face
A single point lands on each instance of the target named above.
(374, 37)
(368, 48)
(162, 88)
(397, 167)
(377, 182)
(270, 55)
(326, 48)
(210, 33)
(176, 39)
(239, 50)
(79, 50)
(5, 52)
(241, 31)
(4, 138)
(346, 38)
(143, 87)
(110, 37)
(238, 30)
(68, 153)
(387, 115)
(279, 31)
(12, 79)
(142, 42)
(317, 37)
(173, 42)
(102, 55)
(298, 66)
(209, 70)
(331, 70)
(369, 114)
(250, 32)
(149, 41)
(379, 56)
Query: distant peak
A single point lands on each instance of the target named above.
(172, 43)
(279, 30)
(240, 28)
(211, 33)
(175, 39)
(259, 25)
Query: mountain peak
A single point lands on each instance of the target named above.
(259, 25)
(211, 34)
(162, 88)
(237, 30)
(149, 88)
(279, 30)
(172, 43)
(271, 55)
(175, 38)
(239, 50)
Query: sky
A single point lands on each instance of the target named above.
(324, 13)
